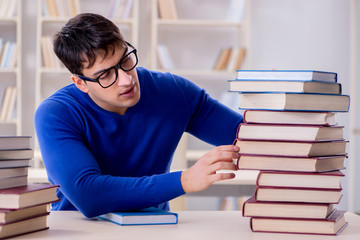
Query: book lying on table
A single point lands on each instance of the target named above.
(29, 195)
(330, 180)
(240, 85)
(332, 225)
(11, 182)
(13, 163)
(289, 117)
(297, 149)
(16, 153)
(303, 195)
(13, 172)
(308, 75)
(295, 102)
(148, 216)
(25, 226)
(253, 208)
(286, 163)
(289, 132)
(15, 142)
(14, 215)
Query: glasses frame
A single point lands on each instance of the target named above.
(116, 67)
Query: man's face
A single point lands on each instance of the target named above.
(124, 93)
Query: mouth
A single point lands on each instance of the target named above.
(128, 91)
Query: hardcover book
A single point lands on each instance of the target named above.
(308, 75)
(14, 215)
(148, 216)
(295, 102)
(289, 132)
(332, 225)
(289, 117)
(253, 208)
(15, 142)
(240, 85)
(13, 163)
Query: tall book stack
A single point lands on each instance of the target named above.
(24, 206)
(290, 134)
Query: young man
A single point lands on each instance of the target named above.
(108, 139)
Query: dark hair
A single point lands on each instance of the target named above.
(83, 38)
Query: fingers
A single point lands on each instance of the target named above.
(222, 166)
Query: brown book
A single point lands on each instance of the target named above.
(223, 59)
(298, 133)
(329, 180)
(289, 117)
(284, 163)
(301, 195)
(167, 9)
(30, 195)
(294, 149)
(253, 208)
(295, 102)
(332, 225)
(24, 226)
(13, 215)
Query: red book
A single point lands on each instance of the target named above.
(332, 225)
(25, 196)
(329, 180)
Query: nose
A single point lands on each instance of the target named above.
(124, 78)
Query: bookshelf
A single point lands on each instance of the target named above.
(10, 67)
(52, 15)
(182, 34)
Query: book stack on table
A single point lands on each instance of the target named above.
(290, 134)
(24, 206)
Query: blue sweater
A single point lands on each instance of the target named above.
(107, 162)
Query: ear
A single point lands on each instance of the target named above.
(80, 84)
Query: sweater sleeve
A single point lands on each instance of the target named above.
(70, 163)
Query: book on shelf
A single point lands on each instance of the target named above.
(8, 8)
(119, 9)
(292, 86)
(29, 195)
(286, 163)
(14, 163)
(148, 216)
(14, 215)
(236, 11)
(223, 59)
(303, 195)
(292, 149)
(164, 57)
(329, 180)
(60, 8)
(295, 101)
(11, 182)
(16, 154)
(332, 225)
(253, 208)
(236, 59)
(167, 9)
(289, 117)
(8, 103)
(13, 172)
(289, 132)
(49, 59)
(24, 226)
(308, 75)
(15, 142)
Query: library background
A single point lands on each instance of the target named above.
(217, 37)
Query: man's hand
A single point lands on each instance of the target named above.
(203, 173)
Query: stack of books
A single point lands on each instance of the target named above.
(290, 134)
(24, 206)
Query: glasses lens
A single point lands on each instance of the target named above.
(129, 61)
(107, 78)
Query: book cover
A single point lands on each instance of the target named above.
(295, 102)
(308, 75)
(14, 215)
(148, 216)
(289, 117)
(253, 208)
(332, 225)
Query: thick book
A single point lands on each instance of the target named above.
(330, 180)
(240, 85)
(301, 195)
(332, 225)
(295, 102)
(289, 132)
(286, 163)
(14, 163)
(16, 153)
(253, 208)
(288, 148)
(289, 117)
(148, 216)
(308, 75)
(25, 226)
(13, 172)
(14, 215)
(15, 142)
(11, 182)
(29, 195)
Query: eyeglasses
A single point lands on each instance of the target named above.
(109, 76)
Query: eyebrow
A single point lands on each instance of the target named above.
(106, 69)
